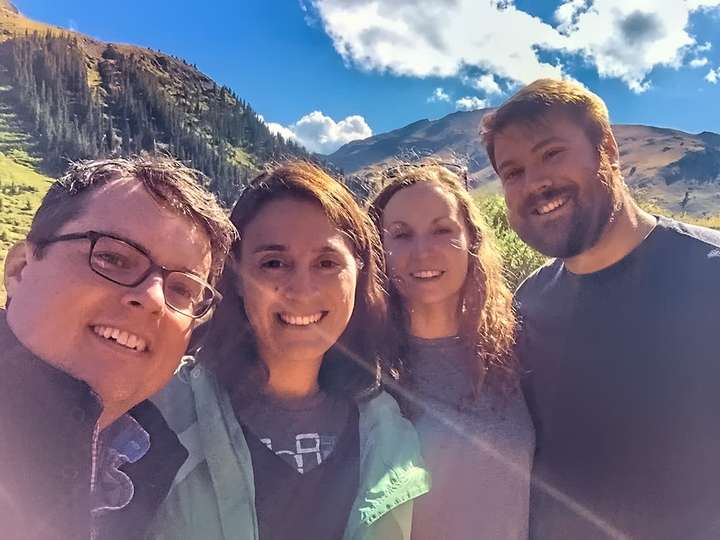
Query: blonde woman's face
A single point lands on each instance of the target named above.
(426, 244)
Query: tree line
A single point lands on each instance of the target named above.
(129, 110)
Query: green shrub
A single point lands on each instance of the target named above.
(520, 260)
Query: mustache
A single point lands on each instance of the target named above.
(537, 199)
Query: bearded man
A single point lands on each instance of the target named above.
(618, 338)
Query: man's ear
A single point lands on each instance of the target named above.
(17, 259)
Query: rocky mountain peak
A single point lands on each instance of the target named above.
(8, 5)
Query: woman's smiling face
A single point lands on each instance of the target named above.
(297, 275)
(426, 245)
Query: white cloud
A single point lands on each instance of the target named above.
(438, 37)
(713, 76)
(470, 103)
(626, 39)
(278, 129)
(704, 47)
(486, 83)
(321, 134)
(698, 62)
(439, 95)
(623, 39)
(702, 4)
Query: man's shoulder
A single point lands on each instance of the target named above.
(689, 248)
(691, 235)
(47, 421)
(538, 281)
(40, 386)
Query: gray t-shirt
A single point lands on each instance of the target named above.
(303, 432)
(479, 451)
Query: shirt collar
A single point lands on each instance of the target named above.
(126, 437)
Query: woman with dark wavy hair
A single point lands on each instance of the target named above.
(460, 384)
(289, 432)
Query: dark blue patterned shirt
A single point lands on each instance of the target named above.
(124, 441)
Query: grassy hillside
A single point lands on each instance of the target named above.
(21, 186)
(82, 98)
(21, 190)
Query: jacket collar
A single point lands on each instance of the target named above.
(391, 469)
(151, 476)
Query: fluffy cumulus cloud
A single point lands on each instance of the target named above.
(439, 95)
(698, 62)
(485, 83)
(623, 39)
(321, 134)
(626, 39)
(279, 129)
(470, 103)
(713, 76)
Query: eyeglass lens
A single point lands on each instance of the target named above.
(187, 294)
(122, 263)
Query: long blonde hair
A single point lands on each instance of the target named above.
(487, 319)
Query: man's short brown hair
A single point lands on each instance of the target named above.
(531, 105)
(168, 181)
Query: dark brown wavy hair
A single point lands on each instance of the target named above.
(357, 363)
(487, 318)
(168, 181)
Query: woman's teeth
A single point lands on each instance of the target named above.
(300, 320)
(121, 337)
(426, 274)
(552, 205)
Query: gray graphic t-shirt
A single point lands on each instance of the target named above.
(301, 431)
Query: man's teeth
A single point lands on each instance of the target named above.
(426, 274)
(552, 205)
(300, 320)
(122, 337)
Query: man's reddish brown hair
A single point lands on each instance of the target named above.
(532, 104)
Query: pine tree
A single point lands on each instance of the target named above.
(132, 111)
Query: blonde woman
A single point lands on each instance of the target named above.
(457, 326)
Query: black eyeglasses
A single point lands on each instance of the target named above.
(125, 263)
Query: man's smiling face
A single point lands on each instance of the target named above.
(557, 185)
(125, 342)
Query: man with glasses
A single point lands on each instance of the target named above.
(103, 295)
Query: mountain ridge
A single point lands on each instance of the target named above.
(677, 170)
(6, 4)
(129, 99)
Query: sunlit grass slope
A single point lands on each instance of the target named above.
(21, 190)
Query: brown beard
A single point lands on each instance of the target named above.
(587, 224)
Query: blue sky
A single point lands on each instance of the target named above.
(328, 71)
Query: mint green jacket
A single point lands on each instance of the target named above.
(213, 494)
